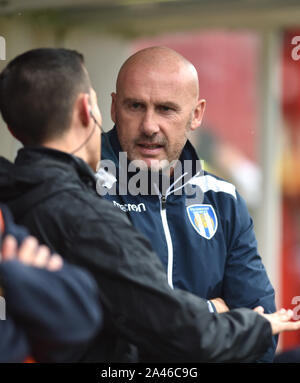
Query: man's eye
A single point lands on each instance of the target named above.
(135, 105)
(163, 108)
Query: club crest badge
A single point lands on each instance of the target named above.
(203, 219)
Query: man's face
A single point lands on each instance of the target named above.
(153, 112)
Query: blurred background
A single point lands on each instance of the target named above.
(247, 53)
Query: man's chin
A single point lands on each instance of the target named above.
(151, 164)
(146, 164)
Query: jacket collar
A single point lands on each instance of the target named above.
(189, 164)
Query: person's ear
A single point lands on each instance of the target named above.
(113, 107)
(198, 114)
(84, 109)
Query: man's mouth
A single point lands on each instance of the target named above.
(149, 149)
(150, 146)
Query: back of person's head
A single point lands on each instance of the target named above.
(38, 90)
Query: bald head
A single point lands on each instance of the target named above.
(163, 60)
(156, 105)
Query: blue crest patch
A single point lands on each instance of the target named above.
(203, 219)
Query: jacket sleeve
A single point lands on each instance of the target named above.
(246, 283)
(14, 346)
(170, 325)
(56, 310)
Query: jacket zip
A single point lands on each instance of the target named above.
(163, 214)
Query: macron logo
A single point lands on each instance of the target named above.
(131, 207)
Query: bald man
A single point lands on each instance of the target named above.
(197, 223)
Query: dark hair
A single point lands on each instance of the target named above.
(38, 90)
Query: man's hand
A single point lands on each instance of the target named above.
(30, 253)
(280, 320)
(220, 305)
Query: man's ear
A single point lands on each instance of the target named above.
(198, 114)
(84, 108)
(113, 107)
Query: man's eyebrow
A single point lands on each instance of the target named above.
(130, 100)
(169, 104)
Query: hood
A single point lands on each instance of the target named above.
(7, 226)
(35, 173)
(14, 180)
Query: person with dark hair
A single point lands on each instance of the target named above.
(45, 107)
(53, 192)
(51, 310)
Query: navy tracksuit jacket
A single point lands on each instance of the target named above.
(199, 227)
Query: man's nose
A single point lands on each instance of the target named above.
(149, 125)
